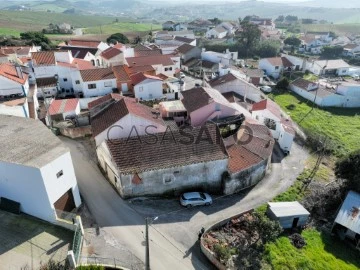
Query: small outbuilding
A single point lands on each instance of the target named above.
(289, 214)
(347, 222)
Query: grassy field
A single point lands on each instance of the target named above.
(339, 29)
(321, 252)
(9, 32)
(30, 20)
(341, 126)
(121, 27)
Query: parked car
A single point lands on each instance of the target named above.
(190, 199)
(182, 75)
(266, 89)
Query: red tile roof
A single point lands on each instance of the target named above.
(185, 48)
(97, 74)
(269, 105)
(286, 62)
(118, 107)
(223, 79)
(254, 144)
(131, 156)
(152, 52)
(46, 82)
(119, 46)
(79, 64)
(61, 106)
(288, 126)
(110, 53)
(43, 58)
(83, 43)
(164, 60)
(147, 68)
(140, 77)
(8, 71)
(121, 73)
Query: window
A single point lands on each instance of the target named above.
(276, 67)
(343, 71)
(97, 62)
(77, 82)
(108, 84)
(92, 86)
(168, 178)
(59, 174)
(65, 79)
(170, 68)
(141, 89)
(166, 69)
(217, 107)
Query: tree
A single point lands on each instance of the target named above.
(283, 84)
(267, 48)
(293, 41)
(268, 230)
(280, 18)
(250, 36)
(290, 18)
(331, 51)
(117, 37)
(348, 168)
(36, 38)
(215, 21)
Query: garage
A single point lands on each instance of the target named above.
(65, 202)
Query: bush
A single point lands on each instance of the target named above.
(283, 84)
(291, 107)
(223, 253)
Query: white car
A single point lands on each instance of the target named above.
(190, 199)
(182, 75)
(266, 89)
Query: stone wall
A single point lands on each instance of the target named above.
(77, 132)
(245, 179)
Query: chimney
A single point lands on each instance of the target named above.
(19, 71)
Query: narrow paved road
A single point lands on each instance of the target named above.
(115, 216)
(174, 235)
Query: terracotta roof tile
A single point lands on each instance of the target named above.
(185, 48)
(164, 60)
(195, 99)
(139, 77)
(79, 64)
(97, 74)
(83, 43)
(152, 52)
(122, 73)
(43, 58)
(184, 39)
(46, 82)
(147, 68)
(223, 79)
(131, 156)
(79, 52)
(8, 71)
(267, 104)
(60, 106)
(110, 53)
(118, 107)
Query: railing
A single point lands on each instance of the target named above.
(71, 217)
(77, 243)
(111, 262)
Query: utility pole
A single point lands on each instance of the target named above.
(147, 253)
(148, 221)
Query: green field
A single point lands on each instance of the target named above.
(341, 126)
(340, 29)
(321, 252)
(9, 32)
(30, 20)
(121, 27)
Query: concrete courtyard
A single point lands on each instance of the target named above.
(26, 242)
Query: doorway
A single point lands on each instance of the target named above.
(295, 222)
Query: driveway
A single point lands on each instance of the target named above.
(174, 234)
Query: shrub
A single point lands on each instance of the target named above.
(223, 252)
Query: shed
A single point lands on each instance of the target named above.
(289, 214)
(347, 222)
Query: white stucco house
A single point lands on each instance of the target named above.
(328, 67)
(161, 63)
(225, 58)
(268, 113)
(218, 32)
(112, 56)
(36, 170)
(95, 82)
(338, 94)
(275, 66)
(234, 83)
(114, 116)
(147, 87)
